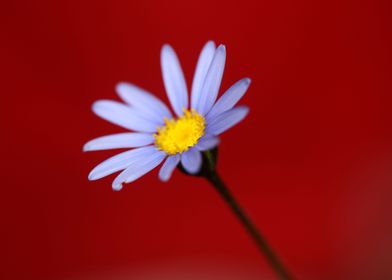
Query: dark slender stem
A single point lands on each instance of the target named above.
(261, 242)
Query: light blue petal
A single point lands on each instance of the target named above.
(138, 168)
(119, 141)
(226, 120)
(124, 116)
(174, 80)
(191, 161)
(207, 142)
(120, 162)
(152, 107)
(212, 82)
(202, 66)
(168, 167)
(229, 98)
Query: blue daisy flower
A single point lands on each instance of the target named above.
(158, 135)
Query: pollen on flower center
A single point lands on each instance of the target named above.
(178, 135)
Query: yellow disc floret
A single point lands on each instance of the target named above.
(178, 135)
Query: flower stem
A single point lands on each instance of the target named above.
(260, 241)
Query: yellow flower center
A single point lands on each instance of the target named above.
(178, 135)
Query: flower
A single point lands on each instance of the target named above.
(158, 136)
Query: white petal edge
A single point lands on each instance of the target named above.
(137, 169)
(143, 101)
(230, 98)
(119, 141)
(120, 162)
(227, 120)
(207, 142)
(168, 167)
(123, 115)
(203, 64)
(174, 80)
(191, 160)
(212, 82)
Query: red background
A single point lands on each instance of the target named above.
(311, 164)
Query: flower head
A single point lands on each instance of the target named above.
(158, 135)
(179, 135)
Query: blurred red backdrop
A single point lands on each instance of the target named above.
(311, 164)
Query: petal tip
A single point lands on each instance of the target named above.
(86, 147)
(166, 48)
(210, 44)
(95, 106)
(117, 187)
(91, 176)
(246, 110)
(194, 171)
(221, 48)
(164, 179)
(98, 105)
(120, 86)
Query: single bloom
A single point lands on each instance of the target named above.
(158, 135)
